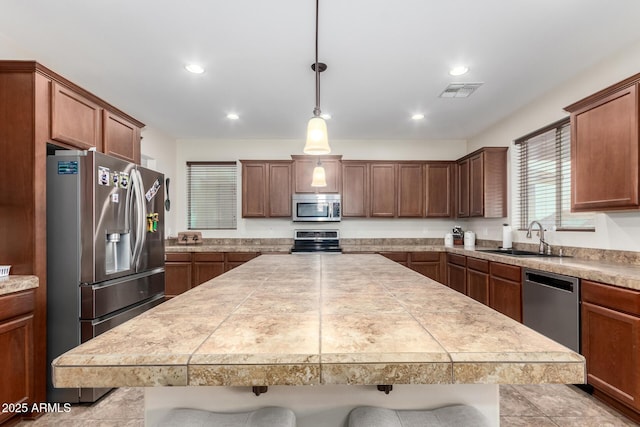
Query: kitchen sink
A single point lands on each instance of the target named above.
(517, 252)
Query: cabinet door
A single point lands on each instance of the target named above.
(16, 360)
(439, 189)
(206, 266)
(410, 190)
(399, 257)
(610, 343)
(463, 188)
(254, 189)
(383, 189)
(457, 277)
(604, 153)
(476, 185)
(120, 137)
(505, 296)
(355, 189)
(303, 171)
(177, 273)
(279, 195)
(74, 119)
(235, 259)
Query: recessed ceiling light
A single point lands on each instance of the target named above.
(194, 68)
(417, 117)
(459, 70)
(325, 116)
(233, 116)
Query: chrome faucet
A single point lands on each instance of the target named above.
(543, 243)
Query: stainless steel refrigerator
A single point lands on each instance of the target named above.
(105, 251)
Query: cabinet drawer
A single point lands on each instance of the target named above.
(15, 304)
(505, 271)
(177, 257)
(425, 256)
(240, 256)
(478, 264)
(208, 256)
(457, 259)
(620, 299)
(396, 256)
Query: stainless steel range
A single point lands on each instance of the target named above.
(316, 241)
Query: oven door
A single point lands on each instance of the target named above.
(314, 211)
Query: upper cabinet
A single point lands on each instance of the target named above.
(482, 183)
(303, 173)
(266, 188)
(355, 188)
(439, 201)
(604, 149)
(82, 121)
(383, 189)
(120, 137)
(410, 189)
(74, 119)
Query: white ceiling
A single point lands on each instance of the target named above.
(386, 59)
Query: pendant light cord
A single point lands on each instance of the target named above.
(316, 111)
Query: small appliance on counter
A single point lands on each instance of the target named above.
(469, 240)
(316, 241)
(458, 235)
(448, 240)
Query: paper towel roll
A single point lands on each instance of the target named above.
(507, 237)
(469, 240)
(448, 240)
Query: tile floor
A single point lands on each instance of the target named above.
(522, 405)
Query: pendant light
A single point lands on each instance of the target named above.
(319, 177)
(317, 139)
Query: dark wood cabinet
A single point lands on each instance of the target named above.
(186, 270)
(610, 343)
(16, 351)
(206, 266)
(75, 120)
(478, 279)
(605, 149)
(399, 257)
(482, 183)
(430, 264)
(505, 289)
(383, 187)
(177, 273)
(439, 189)
(410, 190)
(303, 173)
(120, 137)
(457, 272)
(355, 188)
(266, 188)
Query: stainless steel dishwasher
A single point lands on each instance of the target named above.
(551, 306)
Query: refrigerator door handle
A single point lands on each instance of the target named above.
(140, 210)
(135, 222)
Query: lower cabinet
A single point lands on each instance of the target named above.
(478, 279)
(430, 264)
(611, 344)
(457, 272)
(16, 351)
(186, 270)
(399, 257)
(505, 289)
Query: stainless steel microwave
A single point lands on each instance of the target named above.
(316, 207)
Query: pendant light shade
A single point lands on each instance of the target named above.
(317, 140)
(319, 177)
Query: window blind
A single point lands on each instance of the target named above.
(544, 185)
(211, 195)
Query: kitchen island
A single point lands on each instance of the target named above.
(321, 331)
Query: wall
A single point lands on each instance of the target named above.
(613, 230)
(159, 153)
(191, 150)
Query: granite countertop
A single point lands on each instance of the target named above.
(318, 319)
(621, 273)
(11, 284)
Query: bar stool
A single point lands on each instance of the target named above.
(263, 417)
(447, 416)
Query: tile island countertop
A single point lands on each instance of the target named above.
(318, 319)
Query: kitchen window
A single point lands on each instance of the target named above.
(211, 195)
(544, 184)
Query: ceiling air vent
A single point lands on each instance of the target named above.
(459, 90)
